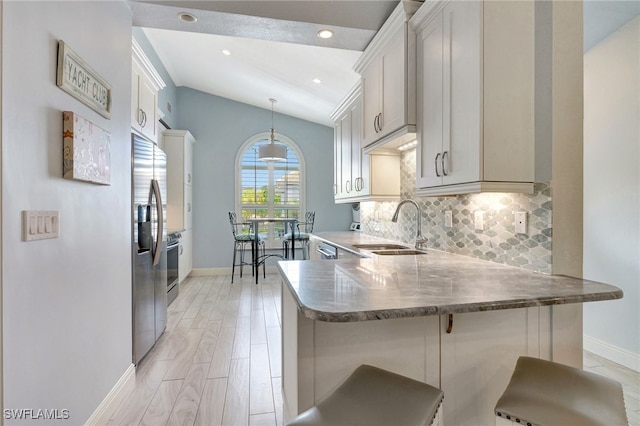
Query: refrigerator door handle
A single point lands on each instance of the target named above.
(159, 237)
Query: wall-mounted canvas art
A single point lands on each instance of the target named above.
(87, 150)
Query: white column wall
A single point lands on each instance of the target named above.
(612, 192)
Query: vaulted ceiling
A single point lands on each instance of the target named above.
(274, 50)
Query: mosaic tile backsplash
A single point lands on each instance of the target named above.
(497, 242)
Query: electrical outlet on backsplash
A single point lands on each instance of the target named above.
(497, 242)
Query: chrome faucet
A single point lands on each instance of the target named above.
(420, 240)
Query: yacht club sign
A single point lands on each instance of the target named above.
(77, 78)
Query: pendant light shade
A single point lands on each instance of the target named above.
(272, 151)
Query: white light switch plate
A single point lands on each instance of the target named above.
(40, 224)
(478, 220)
(448, 218)
(521, 222)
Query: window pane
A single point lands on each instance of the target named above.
(270, 189)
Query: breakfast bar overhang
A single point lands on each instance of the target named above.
(451, 321)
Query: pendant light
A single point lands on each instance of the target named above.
(272, 151)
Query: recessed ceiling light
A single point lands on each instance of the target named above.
(317, 81)
(325, 33)
(187, 17)
(226, 52)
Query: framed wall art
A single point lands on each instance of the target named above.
(77, 78)
(87, 150)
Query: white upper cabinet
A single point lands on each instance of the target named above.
(475, 97)
(359, 176)
(387, 67)
(145, 85)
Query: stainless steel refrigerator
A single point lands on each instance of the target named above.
(149, 246)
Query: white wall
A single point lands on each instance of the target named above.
(612, 192)
(66, 301)
(220, 127)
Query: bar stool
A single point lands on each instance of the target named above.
(371, 396)
(242, 236)
(547, 393)
(303, 230)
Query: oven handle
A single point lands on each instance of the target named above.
(327, 254)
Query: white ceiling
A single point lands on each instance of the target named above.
(275, 52)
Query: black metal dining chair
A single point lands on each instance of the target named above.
(243, 235)
(302, 231)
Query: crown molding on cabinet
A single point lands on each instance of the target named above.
(398, 17)
(138, 55)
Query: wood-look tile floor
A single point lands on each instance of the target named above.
(218, 362)
(629, 379)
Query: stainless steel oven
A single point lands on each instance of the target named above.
(173, 273)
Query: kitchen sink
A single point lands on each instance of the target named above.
(406, 251)
(381, 246)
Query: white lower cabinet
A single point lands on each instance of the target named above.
(185, 261)
(472, 362)
(475, 97)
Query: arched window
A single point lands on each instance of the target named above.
(269, 189)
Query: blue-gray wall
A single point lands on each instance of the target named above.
(220, 127)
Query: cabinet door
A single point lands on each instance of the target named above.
(359, 171)
(185, 260)
(188, 161)
(477, 358)
(148, 102)
(337, 166)
(394, 80)
(188, 207)
(371, 101)
(345, 131)
(135, 110)
(461, 149)
(430, 84)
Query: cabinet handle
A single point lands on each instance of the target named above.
(375, 124)
(347, 186)
(436, 164)
(380, 117)
(358, 188)
(181, 250)
(188, 207)
(188, 177)
(444, 169)
(139, 117)
(144, 118)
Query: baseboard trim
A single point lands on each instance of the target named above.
(614, 353)
(204, 272)
(113, 399)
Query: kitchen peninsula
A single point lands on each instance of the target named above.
(452, 321)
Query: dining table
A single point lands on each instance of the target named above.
(257, 260)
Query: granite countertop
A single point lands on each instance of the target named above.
(436, 283)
